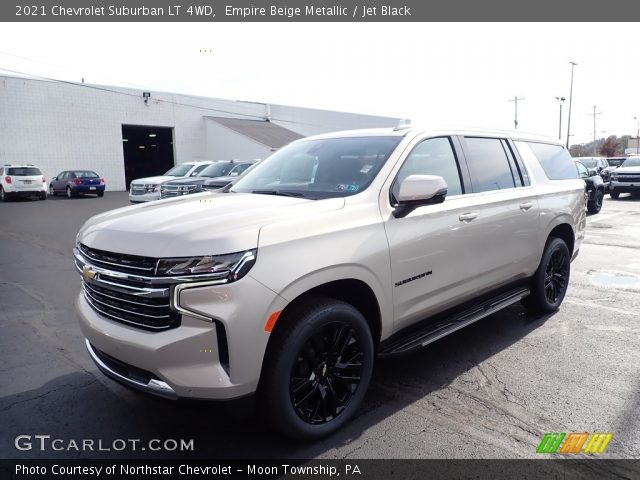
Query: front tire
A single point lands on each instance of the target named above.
(550, 282)
(595, 205)
(615, 195)
(52, 192)
(317, 370)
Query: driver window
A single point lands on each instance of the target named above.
(433, 156)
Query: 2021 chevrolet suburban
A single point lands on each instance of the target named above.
(336, 249)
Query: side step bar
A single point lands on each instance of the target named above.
(399, 344)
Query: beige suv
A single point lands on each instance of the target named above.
(336, 249)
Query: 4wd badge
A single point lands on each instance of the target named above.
(88, 274)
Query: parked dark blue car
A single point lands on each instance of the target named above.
(75, 182)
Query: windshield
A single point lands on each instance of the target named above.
(332, 167)
(85, 174)
(179, 170)
(23, 171)
(589, 162)
(217, 169)
(631, 162)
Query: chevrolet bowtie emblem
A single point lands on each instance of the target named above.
(88, 274)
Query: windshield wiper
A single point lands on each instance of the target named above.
(283, 193)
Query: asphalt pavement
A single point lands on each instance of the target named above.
(491, 390)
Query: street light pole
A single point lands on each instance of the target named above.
(573, 64)
(560, 100)
(515, 119)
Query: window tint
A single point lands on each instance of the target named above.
(488, 164)
(198, 169)
(180, 170)
(582, 169)
(433, 156)
(321, 168)
(23, 171)
(555, 160)
(85, 174)
(220, 169)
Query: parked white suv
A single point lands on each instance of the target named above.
(148, 188)
(22, 181)
(335, 249)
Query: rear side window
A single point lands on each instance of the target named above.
(554, 160)
(488, 164)
(23, 171)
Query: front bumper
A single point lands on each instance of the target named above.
(624, 187)
(185, 361)
(145, 197)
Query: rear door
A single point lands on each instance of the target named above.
(504, 211)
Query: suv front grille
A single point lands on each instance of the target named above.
(120, 262)
(137, 189)
(167, 191)
(152, 314)
(629, 177)
(134, 301)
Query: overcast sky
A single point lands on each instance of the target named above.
(446, 74)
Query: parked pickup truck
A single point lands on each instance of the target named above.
(334, 250)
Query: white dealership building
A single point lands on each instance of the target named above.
(122, 133)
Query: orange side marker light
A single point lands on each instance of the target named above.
(271, 322)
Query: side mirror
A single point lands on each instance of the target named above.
(418, 190)
(593, 172)
(54, 178)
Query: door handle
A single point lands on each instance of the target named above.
(467, 217)
(526, 206)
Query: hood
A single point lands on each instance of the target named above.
(628, 169)
(187, 180)
(216, 180)
(158, 179)
(200, 224)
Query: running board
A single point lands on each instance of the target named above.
(419, 338)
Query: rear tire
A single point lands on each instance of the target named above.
(43, 195)
(100, 194)
(615, 195)
(3, 196)
(317, 370)
(595, 205)
(549, 283)
(70, 193)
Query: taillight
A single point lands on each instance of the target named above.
(102, 180)
(77, 181)
(7, 179)
(44, 180)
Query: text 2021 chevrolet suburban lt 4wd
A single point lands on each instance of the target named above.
(335, 249)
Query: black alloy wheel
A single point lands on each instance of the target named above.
(317, 368)
(549, 283)
(556, 276)
(326, 374)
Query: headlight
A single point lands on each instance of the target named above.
(150, 188)
(614, 176)
(233, 266)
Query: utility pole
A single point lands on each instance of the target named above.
(573, 64)
(515, 119)
(594, 122)
(560, 101)
(638, 136)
